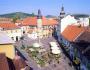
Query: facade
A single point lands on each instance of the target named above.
(5, 20)
(39, 26)
(11, 58)
(12, 30)
(82, 18)
(6, 46)
(67, 20)
(74, 40)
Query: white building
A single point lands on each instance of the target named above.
(11, 30)
(67, 20)
(82, 18)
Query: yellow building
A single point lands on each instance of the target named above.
(6, 46)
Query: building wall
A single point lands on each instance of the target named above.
(8, 50)
(41, 34)
(68, 20)
(14, 33)
(25, 28)
(84, 21)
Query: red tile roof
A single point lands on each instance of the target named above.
(18, 21)
(8, 25)
(19, 62)
(3, 62)
(30, 21)
(71, 32)
(33, 21)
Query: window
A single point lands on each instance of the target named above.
(12, 38)
(11, 31)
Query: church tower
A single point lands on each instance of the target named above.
(39, 19)
(62, 13)
(39, 25)
(61, 16)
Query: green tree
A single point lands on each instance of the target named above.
(15, 18)
(32, 14)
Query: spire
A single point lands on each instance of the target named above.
(62, 8)
(62, 13)
(39, 16)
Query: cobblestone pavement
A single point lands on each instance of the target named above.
(64, 61)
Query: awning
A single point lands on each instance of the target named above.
(56, 51)
(56, 48)
(36, 45)
(53, 44)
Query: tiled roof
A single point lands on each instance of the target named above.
(33, 21)
(83, 42)
(4, 39)
(82, 46)
(85, 36)
(5, 20)
(19, 63)
(71, 32)
(3, 62)
(8, 25)
(30, 21)
(18, 21)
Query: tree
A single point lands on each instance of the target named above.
(15, 18)
(32, 14)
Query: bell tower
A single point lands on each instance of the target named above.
(61, 16)
(39, 19)
(62, 13)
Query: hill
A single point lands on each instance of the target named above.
(50, 16)
(19, 14)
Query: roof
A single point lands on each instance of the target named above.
(84, 48)
(71, 32)
(5, 20)
(4, 39)
(3, 62)
(85, 36)
(80, 15)
(8, 26)
(33, 21)
(29, 21)
(19, 63)
(83, 42)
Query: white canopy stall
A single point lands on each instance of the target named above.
(36, 45)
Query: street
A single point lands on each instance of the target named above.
(64, 62)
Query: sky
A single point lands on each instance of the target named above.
(47, 7)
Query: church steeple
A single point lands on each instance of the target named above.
(62, 13)
(39, 16)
